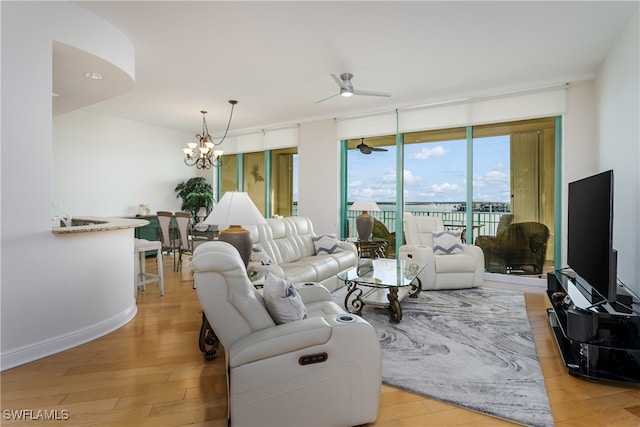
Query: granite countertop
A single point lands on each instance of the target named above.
(92, 224)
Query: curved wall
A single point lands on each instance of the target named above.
(56, 291)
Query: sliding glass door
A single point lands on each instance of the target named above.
(516, 161)
(510, 179)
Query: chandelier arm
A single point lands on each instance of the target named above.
(203, 163)
(217, 162)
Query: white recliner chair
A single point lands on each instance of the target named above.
(450, 271)
(324, 370)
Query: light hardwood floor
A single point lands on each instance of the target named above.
(151, 373)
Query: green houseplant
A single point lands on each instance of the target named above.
(195, 193)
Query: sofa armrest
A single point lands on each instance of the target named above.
(422, 254)
(476, 252)
(274, 269)
(313, 292)
(348, 246)
(478, 256)
(278, 340)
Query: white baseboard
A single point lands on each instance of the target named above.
(61, 343)
(516, 279)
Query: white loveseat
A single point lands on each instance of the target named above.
(450, 271)
(288, 243)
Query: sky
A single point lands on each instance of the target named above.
(433, 172)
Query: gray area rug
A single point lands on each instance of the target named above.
(471, 347)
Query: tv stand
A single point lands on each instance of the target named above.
(597, 341)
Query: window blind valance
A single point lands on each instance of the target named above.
(261, 140)
(498, 109)
(482, 110)
(366, 126)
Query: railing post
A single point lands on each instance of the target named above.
(399, 186)
(469, 210)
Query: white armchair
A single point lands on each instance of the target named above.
(451, 271)
(323, 370)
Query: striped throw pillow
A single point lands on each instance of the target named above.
(447, 242)
(326, 244)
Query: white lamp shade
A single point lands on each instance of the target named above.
(362, 205)
(235, 208)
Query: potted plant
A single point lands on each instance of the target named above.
(195, 193)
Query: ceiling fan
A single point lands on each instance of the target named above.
(346, 88)
(367, 149)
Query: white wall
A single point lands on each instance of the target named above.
(618, 100)
(318, 175)
(57, 291)
(579, 145)
(580, 133)
(128, 163)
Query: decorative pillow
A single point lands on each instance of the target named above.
(447, 242)
(326, 244)
(258, 255)
(282, 300)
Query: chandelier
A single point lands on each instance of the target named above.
(201, 154)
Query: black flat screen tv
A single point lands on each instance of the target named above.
(590, 252)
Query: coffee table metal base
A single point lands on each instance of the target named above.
(383, 297)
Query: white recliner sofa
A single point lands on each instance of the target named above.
(324, 370)
(450, 271)
(288, 243)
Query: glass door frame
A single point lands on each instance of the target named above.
(399, 137)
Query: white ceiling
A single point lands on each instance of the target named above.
(276, 58)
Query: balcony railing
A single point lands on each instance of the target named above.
(485, 223)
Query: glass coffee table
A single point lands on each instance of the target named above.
(383, 283)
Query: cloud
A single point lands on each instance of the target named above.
(389, 175)
(427, 153)
(446, 188)
(410, 178)
(493, 178)
(379, 194)
(493, 185)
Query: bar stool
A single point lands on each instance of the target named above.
(141, 246)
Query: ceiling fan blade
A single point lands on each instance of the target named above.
(339, 81)
(371, 93)
(377, 149)
(328, 97)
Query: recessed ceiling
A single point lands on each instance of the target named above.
(276, 58)
(75, 79)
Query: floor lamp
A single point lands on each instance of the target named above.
(233, 209)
